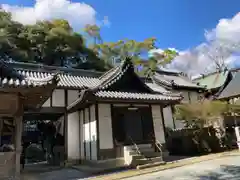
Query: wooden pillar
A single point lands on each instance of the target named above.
(65, 128)
(18, 144)
(1, 129)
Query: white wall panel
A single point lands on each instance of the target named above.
(72, 96)
(58, 99)
(105, 126)
(157, 123)
(73, 136)
(93, 129)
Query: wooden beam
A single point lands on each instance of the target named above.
(49, 110)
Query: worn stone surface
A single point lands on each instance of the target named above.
(222, 168)
(63, 174)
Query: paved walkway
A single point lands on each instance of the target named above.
(218, 169)
(63, 174)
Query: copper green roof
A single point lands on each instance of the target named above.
(174, 79)
(213, 80)
(233, 88)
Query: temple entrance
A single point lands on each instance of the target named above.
(43, 141)
(132, 125)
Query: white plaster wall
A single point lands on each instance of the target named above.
(168, 117)
(73, 136)
(47, 103)
(194, 96)
(58, 98)
(87, 139)
(179, 124)
(105, 126)
(185, 95)
(72, 96)
(82, 136)
(93, 131)
(169, 121)
(157, 124)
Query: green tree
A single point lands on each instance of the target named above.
(48, 42)
(111, 52)
(201, 113)
(9, 40)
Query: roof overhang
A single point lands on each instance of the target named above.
(32, 96)
(88, 97)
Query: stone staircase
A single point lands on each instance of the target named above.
(142, 156)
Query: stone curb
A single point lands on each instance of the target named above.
(169, 165)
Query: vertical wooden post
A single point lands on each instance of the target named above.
(65, 128)
(18, 145)
(1, 129)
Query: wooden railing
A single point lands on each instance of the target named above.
(135, 145)
(159, 146)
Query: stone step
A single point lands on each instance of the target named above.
(149, 165)
(151, 154)
(141, 149)
(137, 156)
(145, 153)
(139, 146)
(148, 161)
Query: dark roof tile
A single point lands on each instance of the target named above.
(135, 96)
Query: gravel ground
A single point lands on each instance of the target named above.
(218, 169)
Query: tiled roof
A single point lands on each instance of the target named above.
(9, 78)
(97, 86)
(65, 80)
(135, 96)
(174, 80)
(213, 80)
(81, 82)
(232, 89)
(159, 89)
(114, 74)
(27, 82)
(156, 87)
(45, 68)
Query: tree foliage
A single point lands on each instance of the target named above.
(112, 52)
(201, 113)
(55, 43)
(48, 42)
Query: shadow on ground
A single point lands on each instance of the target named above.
(229, 172)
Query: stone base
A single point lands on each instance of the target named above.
(109, 163)
(101, 166)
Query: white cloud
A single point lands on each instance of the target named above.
(220, 44)
(226, 29)
(152, 52)
(77, 13)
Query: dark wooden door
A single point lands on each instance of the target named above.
(133, 126)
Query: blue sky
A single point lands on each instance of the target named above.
(179, 24)
(176, 23)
